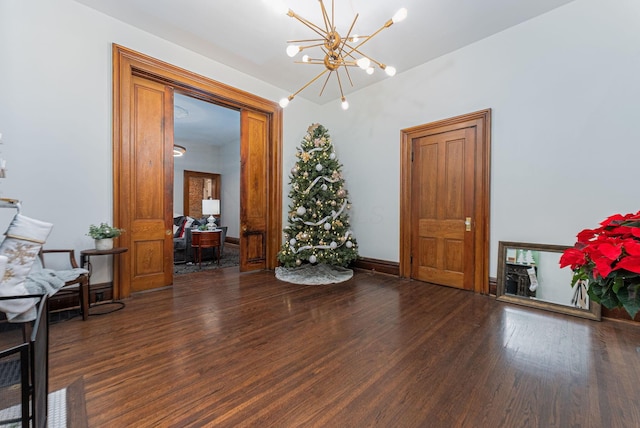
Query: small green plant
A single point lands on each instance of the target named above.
(104, 231)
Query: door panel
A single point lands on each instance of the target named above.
(443, 180)
(150, 179)
(254, 164)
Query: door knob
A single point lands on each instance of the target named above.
(167, 232)
(467, 224)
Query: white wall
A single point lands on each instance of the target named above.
(230, 180)
(564, 91)
(55, 111)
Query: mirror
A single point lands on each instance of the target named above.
(530, 275)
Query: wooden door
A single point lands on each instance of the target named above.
(443, 181)
(254, 172)
(147, 183)
(444, 202)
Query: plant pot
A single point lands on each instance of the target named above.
(104, 244)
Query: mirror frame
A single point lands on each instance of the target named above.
(594, 311)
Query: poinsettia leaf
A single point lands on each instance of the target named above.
(630, 263)
(630, 300)
(617, 284)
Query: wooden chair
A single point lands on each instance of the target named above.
(77, 287)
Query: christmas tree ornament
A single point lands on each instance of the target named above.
(319, 167)
(293, 241)
(332, 156)
(301, 211)
(333, 245)
(312, 259)
(324, 187)
(348, 244)
(327, 226)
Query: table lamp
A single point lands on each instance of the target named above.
(211, 207)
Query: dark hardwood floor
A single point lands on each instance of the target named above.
(227, 349)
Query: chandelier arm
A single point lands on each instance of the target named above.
(378, 63)
(346, 38)
(307, 23)
(308, 83)
(307, 41)
(340, 85)
(346, 69)
(325, 84)
(386, 25)
(325, 17)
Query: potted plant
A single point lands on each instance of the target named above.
(608, 259)
(103, 235)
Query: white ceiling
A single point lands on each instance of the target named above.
(250, 36)
(198, 122)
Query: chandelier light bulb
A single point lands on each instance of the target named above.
(292, 50)
(305, 58)
(399, 16)
(391, 71)
(355, 38)
(284, 102)
(370, 70)
(344, 104)
(363, 63)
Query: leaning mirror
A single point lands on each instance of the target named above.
(530, 275)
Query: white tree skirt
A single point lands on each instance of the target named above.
(314, 274)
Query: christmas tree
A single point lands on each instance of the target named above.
(318, 230)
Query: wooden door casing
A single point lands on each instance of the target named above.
(472, 268)
(128, 64)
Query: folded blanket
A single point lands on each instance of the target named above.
(48, 281)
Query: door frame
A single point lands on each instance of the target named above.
(482, 120)
(128, 63)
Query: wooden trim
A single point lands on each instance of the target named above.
(482, 120)
(128, 63)
(377, 265)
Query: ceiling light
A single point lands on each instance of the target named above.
(178, 151)
(336, 52)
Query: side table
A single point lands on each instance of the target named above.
(85, 262)
(206, 239)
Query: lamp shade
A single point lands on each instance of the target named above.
(211, 206)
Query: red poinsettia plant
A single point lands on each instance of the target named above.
(609, 259)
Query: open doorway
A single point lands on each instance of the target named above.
(207, 166)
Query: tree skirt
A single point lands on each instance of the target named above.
(314, 274)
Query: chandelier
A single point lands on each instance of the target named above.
(336, 52)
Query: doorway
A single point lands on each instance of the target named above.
(142, 153)
(444, 202)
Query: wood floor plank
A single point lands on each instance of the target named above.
(222, 348)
